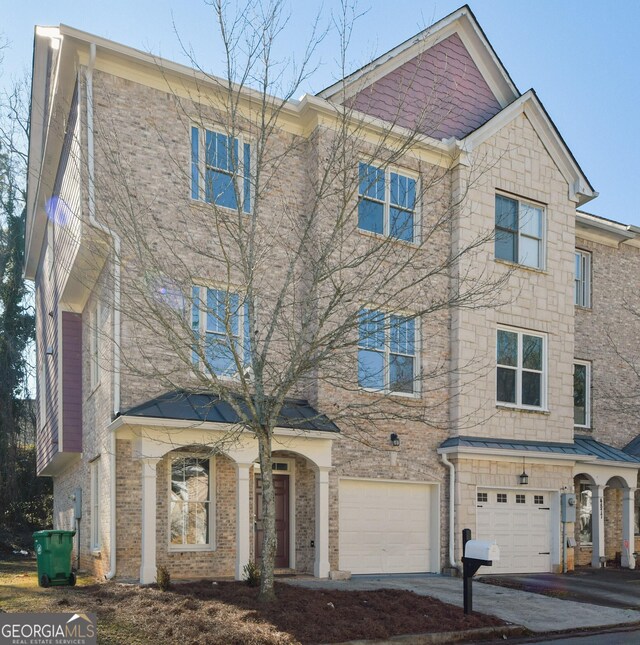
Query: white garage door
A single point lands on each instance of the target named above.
(385, 526)
(520, 522)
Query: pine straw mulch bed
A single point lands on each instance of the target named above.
(228, 613)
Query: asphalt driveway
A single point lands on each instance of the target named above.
(537, 612)
(608, 587)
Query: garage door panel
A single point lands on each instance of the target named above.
(521, 528)
(384, 526)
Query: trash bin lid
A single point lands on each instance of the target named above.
(60, 532)
(42, 533)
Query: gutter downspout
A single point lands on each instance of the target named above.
(116, 308)
(452, 535)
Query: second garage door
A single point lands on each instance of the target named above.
(385, 527)
(520, 522)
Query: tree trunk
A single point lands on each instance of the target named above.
(267, 592)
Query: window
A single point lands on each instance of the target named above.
(521, 499)
(95, 505)
(190, 502)
(582, 394)
(386, 203)
(583, 279)
(538, 499)
(521, 368)
(220, 321)
(94, 345)
(502, 498)
(386, 352)
(584, 515)
(483, 497)
(519, 232)
(220, 169)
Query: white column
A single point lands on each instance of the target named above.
(243, 524)
(149, 503)
(321, 563)
(597, 524)
(628, 540)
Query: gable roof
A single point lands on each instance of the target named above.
(580, 188)
(461, 22)
(296, 414)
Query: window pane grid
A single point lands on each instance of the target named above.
(221, 321)
(386, 352)
(220, 169)
(582, 279)
(190, 501)
(519, 232)
(386, 202)
(520, 369)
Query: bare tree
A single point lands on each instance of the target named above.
(282, 197)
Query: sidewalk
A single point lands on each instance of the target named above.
(534, 611)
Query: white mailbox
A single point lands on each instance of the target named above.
(482, 550)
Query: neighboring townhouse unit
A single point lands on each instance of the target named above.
(521, 410)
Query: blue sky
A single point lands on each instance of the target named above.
(581, 56)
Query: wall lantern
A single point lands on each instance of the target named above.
(524, 478)
(395, 439)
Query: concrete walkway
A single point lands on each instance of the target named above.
(534, 611)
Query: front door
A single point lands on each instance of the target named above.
(281, 485)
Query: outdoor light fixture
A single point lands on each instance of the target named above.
(395, 439)
(49, 351)
(524, 478)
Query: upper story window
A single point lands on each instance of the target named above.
(386, 203)
(519, 232)
(583, 279)
(190, 502)
(94, 346)
(386, 352)
(582, 394)
(220, 169)
(521, 368)
(220, 320)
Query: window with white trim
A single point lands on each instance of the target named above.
(519, 232)
(521, 368)
(220, 169)
(220, 324)
(95, 505)
(94, 346)
(582, 290)
(582, 394)
(190, 514)
(386, 202)
(386, 352)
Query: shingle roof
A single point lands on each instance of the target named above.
(581, 446)
(193, 406)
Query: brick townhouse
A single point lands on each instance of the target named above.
(547, 410)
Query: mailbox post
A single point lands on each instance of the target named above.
(476, 553)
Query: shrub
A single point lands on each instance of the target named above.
(251, 574)
(163, 578)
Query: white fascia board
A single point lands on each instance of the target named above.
(461, 22)
(605, 231)
(44, 38)
(155, 422)
(488, 453)
(529, 104)
(157, 63)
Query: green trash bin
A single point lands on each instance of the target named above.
(53, 550)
